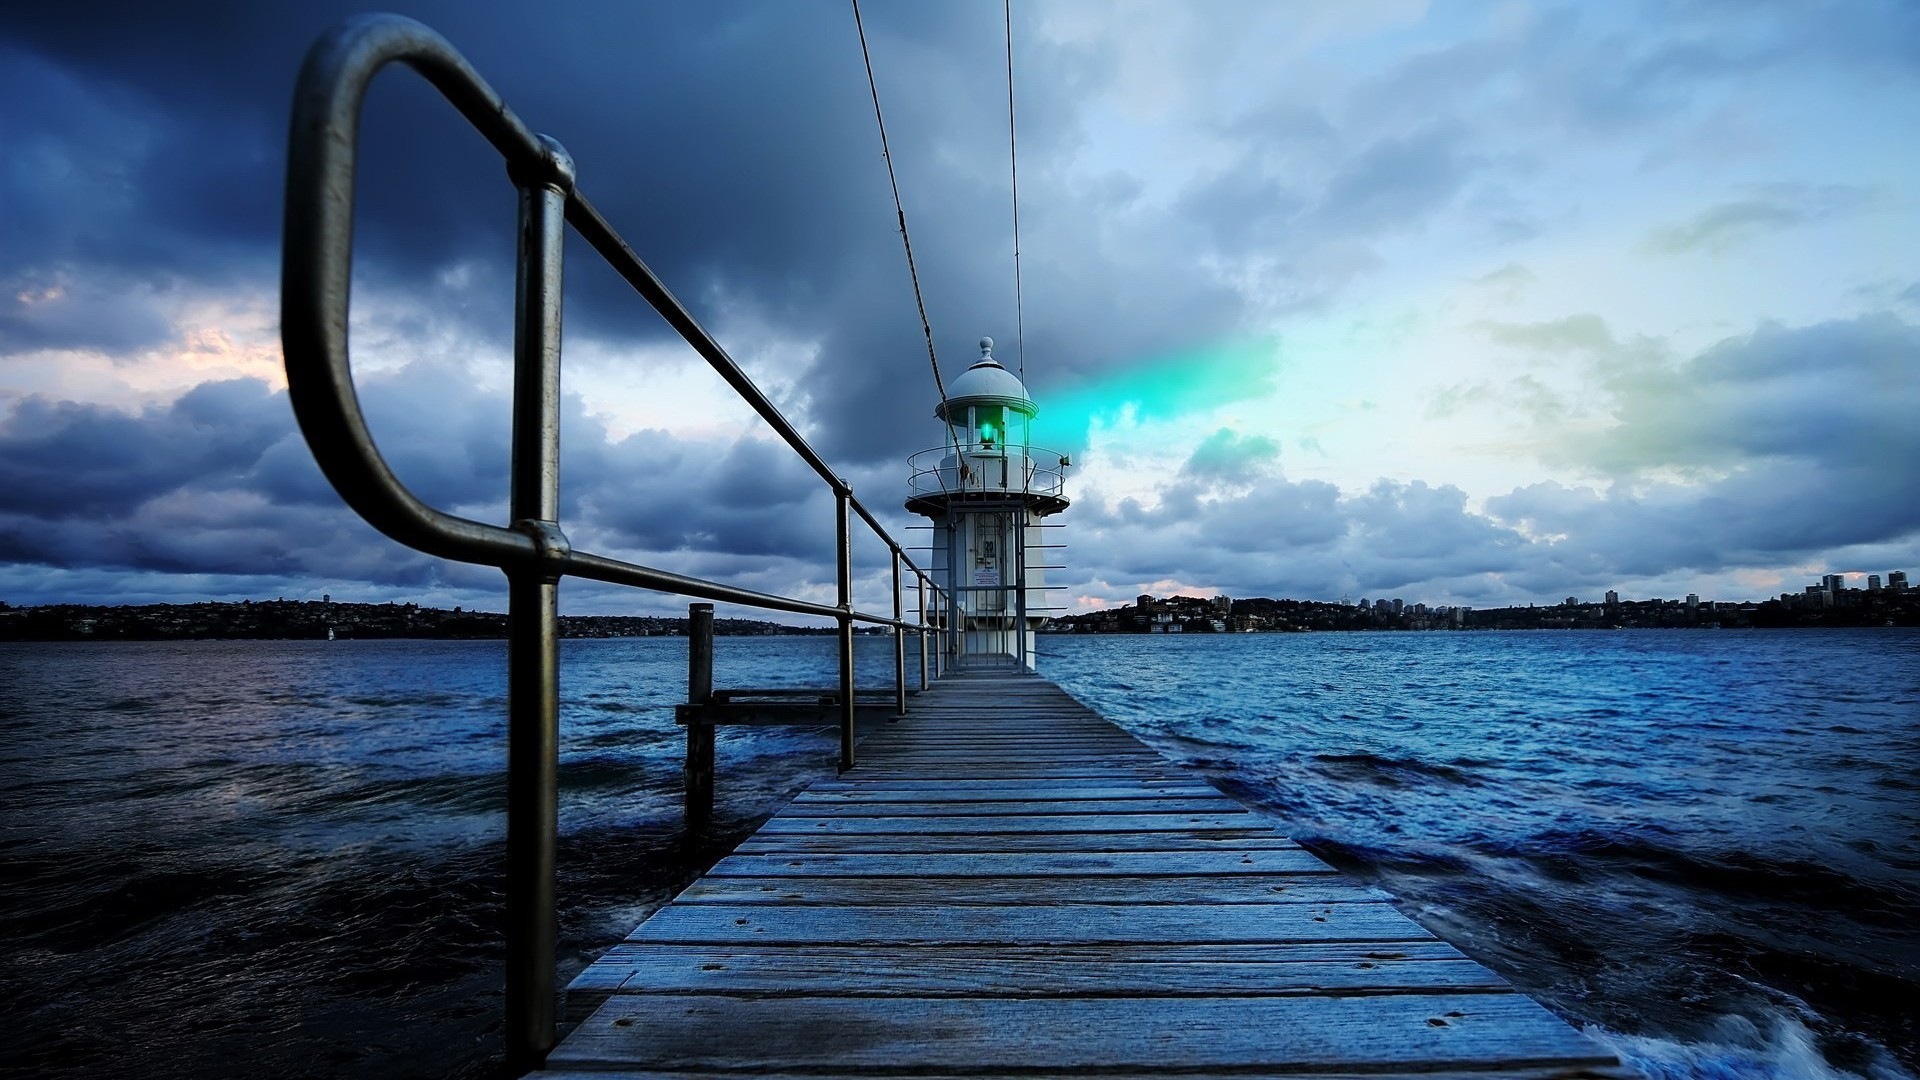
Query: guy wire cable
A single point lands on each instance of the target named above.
(901, 214)
(1013, 159)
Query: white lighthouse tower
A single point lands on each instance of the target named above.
(987, 492)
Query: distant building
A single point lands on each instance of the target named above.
(1897, 581)
(1693, 600)
(1222, 604)
(1571, 601)
(1873, 582)
(1398, 605)
(1382, 605)
(1834, 583)
(1613, 598)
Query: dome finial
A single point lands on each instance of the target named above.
(986, 348)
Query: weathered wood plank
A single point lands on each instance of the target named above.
(802, 809)
(1278, 859)
(1034, 793)
(1016, 769)
(1181, 971)
(841, 1034)
(960, 787)
(1525, 1073)
(985, 924)
(1234, 840)
(1057, 890)
(988, 825)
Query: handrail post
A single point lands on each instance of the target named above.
(899, 644)
(533, 630)
(955, 628)
(699, 769)
(920, 607)
(1020, 593)
(939, 631)
(843, 548)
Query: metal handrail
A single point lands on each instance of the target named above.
(316, 277)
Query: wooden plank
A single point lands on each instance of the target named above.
(842, 1034)
(1113, 971)
(1504, 1073)
(1022, 769)
(1053, 793)
(1075, 759)
(1029, 925)
(880, 786)
(990, 825)
(1233, 840)
(804, 808)
(1279, 859)
(1055, 890)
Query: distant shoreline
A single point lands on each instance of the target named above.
(311, 620)
(308, 620)
(1218, 614)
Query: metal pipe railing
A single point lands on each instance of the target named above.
(316, 277)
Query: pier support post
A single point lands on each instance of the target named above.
(699, 770)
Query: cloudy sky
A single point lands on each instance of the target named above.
(1466, 303)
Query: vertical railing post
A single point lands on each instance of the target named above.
(533, 632)
(1020, 590)
(699, 770)
(899, 644)
(920, 607)
(843, 547)
(940, 661)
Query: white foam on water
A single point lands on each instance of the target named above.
(1741, 1049)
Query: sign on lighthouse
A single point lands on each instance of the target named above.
(988, 491)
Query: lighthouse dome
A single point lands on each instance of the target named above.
(985, 383)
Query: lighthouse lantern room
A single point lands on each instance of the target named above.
(988, 491)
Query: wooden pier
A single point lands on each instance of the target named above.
(1010, 885)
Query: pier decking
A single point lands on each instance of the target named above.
(1008, 884)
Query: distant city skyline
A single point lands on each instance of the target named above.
(1865, 583)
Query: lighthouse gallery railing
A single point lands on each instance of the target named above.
(316, 273)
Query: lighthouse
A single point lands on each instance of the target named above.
(988, 491)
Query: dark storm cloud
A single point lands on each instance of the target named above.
(1804, 440)
(62, 460)
(1840, 394)
(220, 483)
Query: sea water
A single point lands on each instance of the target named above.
(285, 857)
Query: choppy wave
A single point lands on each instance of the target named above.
(1739, 1048)
(1645, 831)
(286, 857)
